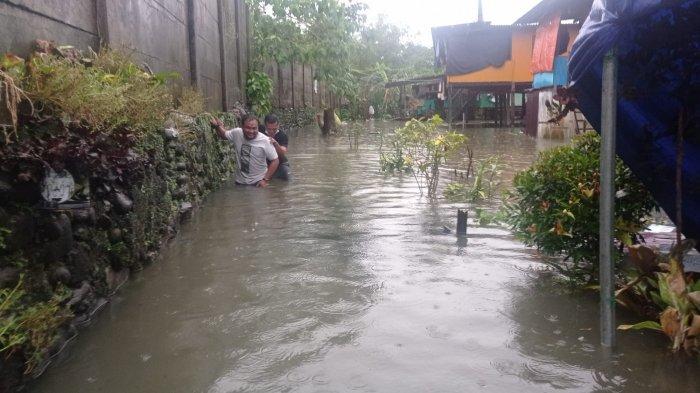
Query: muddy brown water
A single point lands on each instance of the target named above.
(343, 280)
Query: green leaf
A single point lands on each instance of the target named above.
(651, 325)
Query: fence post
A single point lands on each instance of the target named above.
(192, 42)
(222, 53)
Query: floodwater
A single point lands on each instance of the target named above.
(344, 280)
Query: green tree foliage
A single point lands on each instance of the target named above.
(380, 55)
(320, 32)
(258, 89)
(554, 206)
(353, 58)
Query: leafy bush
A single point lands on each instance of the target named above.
(420, 147)
(258, 88)
(554, 206)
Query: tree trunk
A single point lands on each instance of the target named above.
(328, 121)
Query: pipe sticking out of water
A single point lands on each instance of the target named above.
(461, 222)
(607, 199)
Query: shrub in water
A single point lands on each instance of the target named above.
(554, 206)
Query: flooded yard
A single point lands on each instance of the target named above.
(345, 280)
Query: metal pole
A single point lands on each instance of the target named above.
(607, 199)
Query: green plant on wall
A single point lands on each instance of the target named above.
(554, 206)
(259, 91)
(30, 327)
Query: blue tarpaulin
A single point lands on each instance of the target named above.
(559, 77)
(658, 47)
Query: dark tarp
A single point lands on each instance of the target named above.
(658, 45)
(471, 47)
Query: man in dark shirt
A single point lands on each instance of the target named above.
(279, 140)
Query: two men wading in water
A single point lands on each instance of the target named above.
(253, 151)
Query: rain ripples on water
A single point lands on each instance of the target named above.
(345, 280)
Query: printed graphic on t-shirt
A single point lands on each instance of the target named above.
(245, 158)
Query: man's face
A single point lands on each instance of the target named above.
(250, 129)
(272, 128)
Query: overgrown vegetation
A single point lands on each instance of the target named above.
(102, 118)
(27, 325)
(554, 206)
(420, 147)
(190, 101)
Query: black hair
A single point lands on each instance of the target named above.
(271, 118)
(247, 118)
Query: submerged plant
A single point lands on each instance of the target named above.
(662, 282)
(421, 147)
(483, 185)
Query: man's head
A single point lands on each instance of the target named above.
(272, 124)
(250, 126)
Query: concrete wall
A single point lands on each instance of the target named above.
(293, 86)
(206, 41)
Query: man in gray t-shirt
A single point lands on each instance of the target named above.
(253, 152)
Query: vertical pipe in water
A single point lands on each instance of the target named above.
(607, 198)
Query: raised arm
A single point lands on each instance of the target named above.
(218, 126)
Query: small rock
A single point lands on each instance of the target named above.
(185, 208)
(104, 221)
(61, 275)
(115, 235)
(81, 233)
(79, 294)
(179, 148)
(115, 278)
(8, 276)
(81, 320)
(180, 193)
(5, 189)
(59, 232)
(123, 202)
(181, 166)
(107, 205)
(85, 216)
(171, 133)
(23, 232)
(58, 227)
(104, 189)
(80, 264)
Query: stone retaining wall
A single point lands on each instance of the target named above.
(84, 255)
